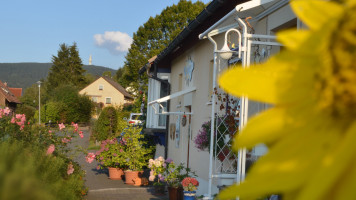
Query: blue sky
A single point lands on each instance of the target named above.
(31, 31)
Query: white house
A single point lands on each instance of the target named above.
(183, 78)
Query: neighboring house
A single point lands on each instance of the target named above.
(107, 92)
(182, 79)
(7, 98)
(16, 91)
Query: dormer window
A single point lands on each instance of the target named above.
(101, 87)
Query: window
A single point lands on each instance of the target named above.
(108, 100)
(94, 99)
(101, 87)
(163, 93)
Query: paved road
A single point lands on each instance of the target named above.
(103, 188)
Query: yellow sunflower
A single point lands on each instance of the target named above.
(311, 130)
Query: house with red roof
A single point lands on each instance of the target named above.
(8, 98)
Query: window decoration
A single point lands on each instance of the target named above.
(188, 71)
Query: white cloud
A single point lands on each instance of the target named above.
(115, 41)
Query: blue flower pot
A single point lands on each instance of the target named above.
(189, 195)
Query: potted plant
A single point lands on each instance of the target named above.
(190, 185)
(112, 156)
(136, 154)
(173, 177)
(158, 167)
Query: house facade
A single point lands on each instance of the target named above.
(107, 92)
(7, 98)
(191, 65)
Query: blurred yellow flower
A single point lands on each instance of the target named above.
(311, 130)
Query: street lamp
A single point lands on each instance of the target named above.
(225, 52)
(39, 102)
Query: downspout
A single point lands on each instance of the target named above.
(212, 120)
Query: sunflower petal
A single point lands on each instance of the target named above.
(333, 165)
(264, 128)
(286, 169)
(315, 13)
(258, 83)
(292, 39)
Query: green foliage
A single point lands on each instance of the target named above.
(67, 68)
(151, 38)
(111, 154)
(30, 96)
(136, 153)
(106, 125)
(72, 107)
(121, 122)
(107, 73)
(28, 110)
(52, 111)
(26, 172)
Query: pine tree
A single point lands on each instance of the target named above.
(67, 68)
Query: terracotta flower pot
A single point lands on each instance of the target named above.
(132, 177)
(115, 173)
(175, 193)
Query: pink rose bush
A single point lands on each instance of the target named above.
(111, 154)
(90, 157)
(45, 146)
(50, 149)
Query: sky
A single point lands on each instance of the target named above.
(31, 31)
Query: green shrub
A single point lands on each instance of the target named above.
(29, 111)
(136, 152)
(106, 125)
(77, 108)
(121, 122)
(26, 172)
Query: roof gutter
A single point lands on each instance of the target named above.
(174, 45)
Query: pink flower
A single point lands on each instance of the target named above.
(13, 120)
(70, 169)
(90, 157)
(7, 111)
(81, 134)
(50, 149)
(75, 126)
(61, 126)
(66, 140)
(49, 131)
(151, 178)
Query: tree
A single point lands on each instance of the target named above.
(107, 73)
(67, 68)
(154, 36)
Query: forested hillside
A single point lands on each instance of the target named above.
(23, 75)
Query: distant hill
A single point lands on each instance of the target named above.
(23, 75)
